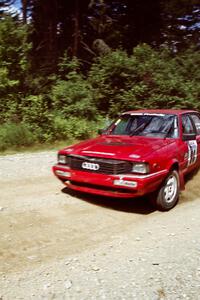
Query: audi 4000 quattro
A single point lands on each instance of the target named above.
(142, 152)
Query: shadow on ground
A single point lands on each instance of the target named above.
(133, 205)
(192, 187)
(140, 205)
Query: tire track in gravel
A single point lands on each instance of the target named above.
(40, 221)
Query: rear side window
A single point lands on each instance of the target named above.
(196, 120)
(187, 125)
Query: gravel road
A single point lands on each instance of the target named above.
(55, 244)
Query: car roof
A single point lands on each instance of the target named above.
(162, 111)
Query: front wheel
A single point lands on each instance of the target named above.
(167, 196)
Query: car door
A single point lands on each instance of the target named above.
(196, 120)
(190, 139)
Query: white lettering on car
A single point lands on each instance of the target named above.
(134, 156)
(192, 152)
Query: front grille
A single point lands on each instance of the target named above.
(106, 166)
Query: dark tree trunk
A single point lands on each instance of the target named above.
(24, 10)
(76, 29)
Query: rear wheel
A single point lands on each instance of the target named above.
(167, 196)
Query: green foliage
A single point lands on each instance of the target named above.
(110, 77)
(14, 47)
(68, 68)
(73, 95)
(35, 111)
(70, 105)
(75, 127)
(14, 67)
(5, 82)
(146, 79)
(15, 135)
(46, 95)
(73, 98)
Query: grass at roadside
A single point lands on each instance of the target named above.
(21, 137)
(38, 147)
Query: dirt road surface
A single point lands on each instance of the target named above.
(55, 244)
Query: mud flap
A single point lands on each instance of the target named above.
(182, 181)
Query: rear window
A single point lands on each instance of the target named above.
(196, 120)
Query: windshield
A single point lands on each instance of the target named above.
(152, 125)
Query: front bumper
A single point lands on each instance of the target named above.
(123, 186)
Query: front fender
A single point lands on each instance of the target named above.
(174, 164)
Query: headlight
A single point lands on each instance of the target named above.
(61, 159)
(142, 168)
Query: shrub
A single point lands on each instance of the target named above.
(15, 135)
(145, 79)
(78, 128)
(74, 98)
(68, 104)
(72, 94)
(36, 111)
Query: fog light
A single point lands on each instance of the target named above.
(122, 182)
(63, 173)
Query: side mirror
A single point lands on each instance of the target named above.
(189, 136)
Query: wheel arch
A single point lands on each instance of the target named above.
(175, 166)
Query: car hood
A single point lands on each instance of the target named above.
(118, 147)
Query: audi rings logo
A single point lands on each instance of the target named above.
(90, 166)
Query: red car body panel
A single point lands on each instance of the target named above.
(160, 154)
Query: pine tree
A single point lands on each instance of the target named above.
(4, 6)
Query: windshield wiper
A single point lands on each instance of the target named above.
(135, 131)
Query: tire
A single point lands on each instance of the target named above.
(168, 194)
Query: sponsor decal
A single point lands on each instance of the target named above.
(146, 114)
(69, 150)
(134, 156)
(192, 152)
(96, 152)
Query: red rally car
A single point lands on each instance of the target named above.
(142, 152)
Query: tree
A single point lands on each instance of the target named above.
(142, 23)
(44, 35)
(14, 65)
(181, 19)
(80, 27)
(26, 7)
(57, 27)
(4, 7)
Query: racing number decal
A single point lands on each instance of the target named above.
(192, 152)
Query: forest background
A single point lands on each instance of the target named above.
(66, 66)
